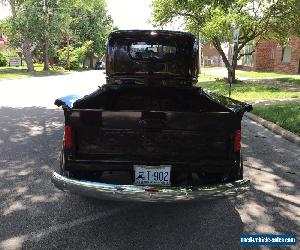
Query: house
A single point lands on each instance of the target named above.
(211, 57)
(3, 43)
(269, 56)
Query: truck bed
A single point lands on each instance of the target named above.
(108, 137)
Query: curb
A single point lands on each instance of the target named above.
(275, 128)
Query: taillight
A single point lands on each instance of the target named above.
(68, 137)
(237, 140)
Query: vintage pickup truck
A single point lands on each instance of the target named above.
(149, 134)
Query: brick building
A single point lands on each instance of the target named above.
(3, 42)
(269, 56)
(211, 57)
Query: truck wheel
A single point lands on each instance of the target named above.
(237, 171)
(62, 163)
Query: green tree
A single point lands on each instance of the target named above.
(44, 25)
(91, 22)
(214, 21)
(71, 58)
(18, 33)
(3, 60)
(49, 19)
(37, 23)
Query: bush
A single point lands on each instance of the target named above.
(63, 58)
(76, 55)
(11, 53)
(3, 60)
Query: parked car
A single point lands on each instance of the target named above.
(99, 65)
(149, 134)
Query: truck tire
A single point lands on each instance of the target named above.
(62, 163)
(237, 171)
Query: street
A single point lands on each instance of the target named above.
(42, 91)
(35, 215)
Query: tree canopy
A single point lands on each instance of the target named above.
(214, 21)
(46, 25)
(91, 22)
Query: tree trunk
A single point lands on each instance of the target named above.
(234, 63)
(231, 75)
(229, 64)
(26, 49)
(91, 57)
(46, 55)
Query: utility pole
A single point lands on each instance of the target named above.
(199, 52)
(234, 55)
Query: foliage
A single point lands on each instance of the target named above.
(285, 115)
(74, 55)
(91, 22)
(38, 20)
(11, 53)
(3, 60)
(67, 57)
(214, 21)
(47, 25)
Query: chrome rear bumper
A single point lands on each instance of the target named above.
(145, 193)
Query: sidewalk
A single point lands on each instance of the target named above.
(275, 101)
(274, 82)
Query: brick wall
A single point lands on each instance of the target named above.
(291, 67)
(211, 56)
(263, 60)
(268, 57)
(209, 50)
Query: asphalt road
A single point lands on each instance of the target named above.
(35, 215)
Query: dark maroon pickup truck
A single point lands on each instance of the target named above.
(149, 134)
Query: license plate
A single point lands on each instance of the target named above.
(152, 175)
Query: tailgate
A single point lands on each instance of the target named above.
(152, 136)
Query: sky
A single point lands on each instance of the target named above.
(129, 14)
(4, 11)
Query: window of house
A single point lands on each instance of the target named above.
(273, 53)
(286, 55)
(247, 60)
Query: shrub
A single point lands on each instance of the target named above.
(11, 53)
(63, 58)
(76, 55)
(3, 60)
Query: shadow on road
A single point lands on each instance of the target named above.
(272, 163)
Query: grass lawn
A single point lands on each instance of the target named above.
(248, 91)
(284, 115)
(21, 72)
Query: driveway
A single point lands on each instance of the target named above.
(35, 215)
